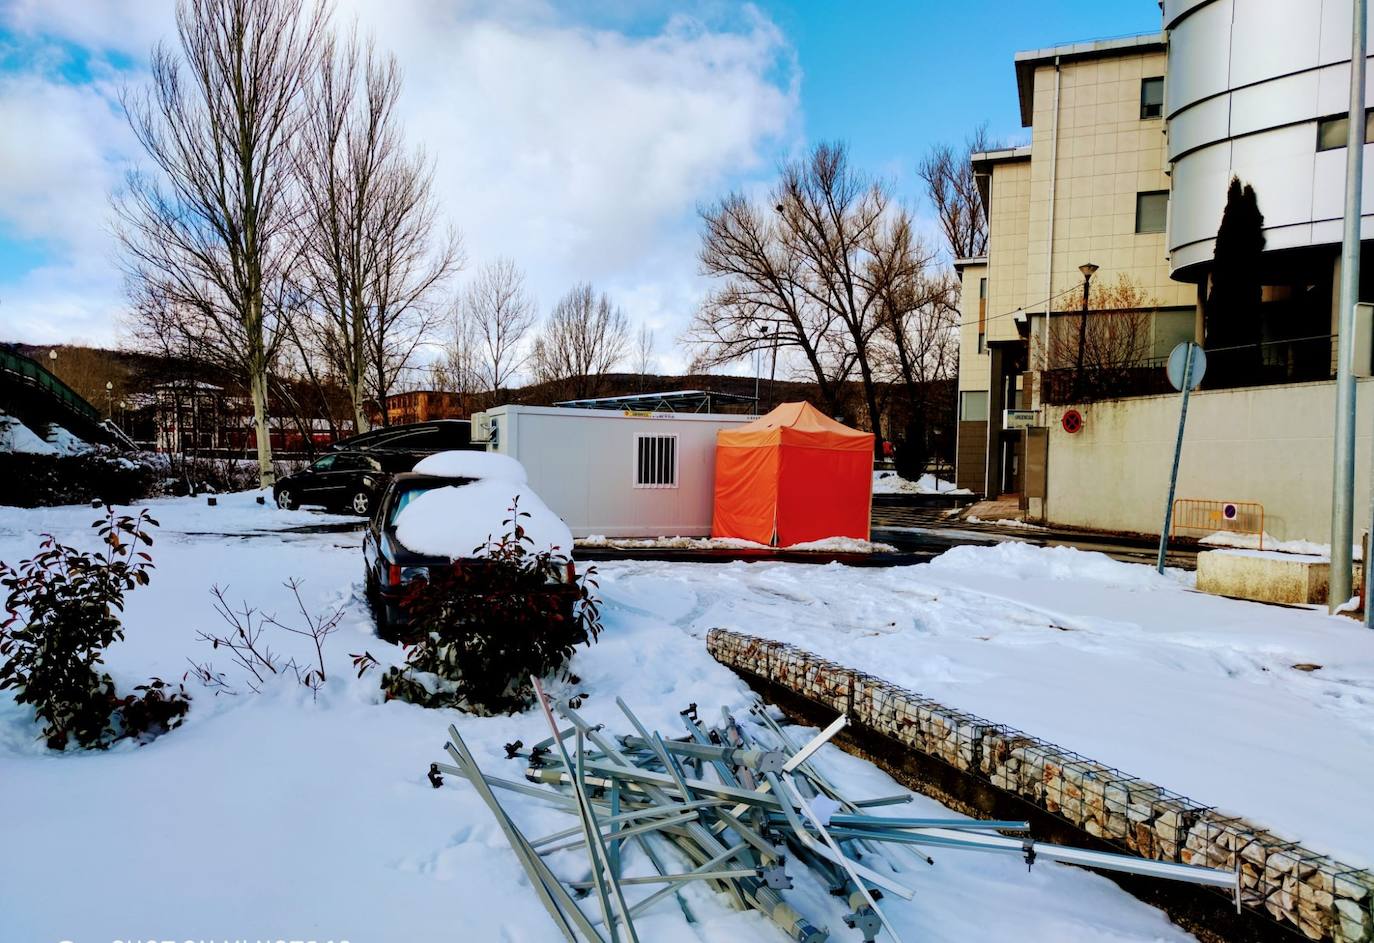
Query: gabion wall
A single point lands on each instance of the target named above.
(1306, 891)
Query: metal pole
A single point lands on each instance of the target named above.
(1178, 452)
(1343, 466)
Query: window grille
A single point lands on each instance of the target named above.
(655, 461)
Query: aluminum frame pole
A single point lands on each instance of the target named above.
(1343, 463)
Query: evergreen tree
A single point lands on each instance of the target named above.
(1233, 318)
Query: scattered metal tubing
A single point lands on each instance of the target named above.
(560, 905)
(765, 808)
(596, 847)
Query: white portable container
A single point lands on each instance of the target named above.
(618, 474)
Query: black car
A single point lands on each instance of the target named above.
(341, 481)
(416, 438)
(390, 567)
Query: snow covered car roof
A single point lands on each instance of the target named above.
(458, 521)
(468, 464)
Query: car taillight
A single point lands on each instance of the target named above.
(566, 573)
(393, 575)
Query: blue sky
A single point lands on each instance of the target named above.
(577, 138)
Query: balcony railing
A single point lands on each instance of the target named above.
(1273, 362)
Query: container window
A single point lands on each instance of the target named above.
(655, 461)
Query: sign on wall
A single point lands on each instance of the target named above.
(1072, 421)
(1020, 418)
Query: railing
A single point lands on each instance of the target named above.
(1270, 363)
(34, 374)
(1230, 517)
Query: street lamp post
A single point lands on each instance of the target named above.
(1088, 270)
(109, 399)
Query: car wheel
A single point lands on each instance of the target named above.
(286, 500)
(389, 622)
(361, 503)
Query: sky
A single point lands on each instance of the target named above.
(577, 138)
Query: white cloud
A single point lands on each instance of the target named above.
(580, 152)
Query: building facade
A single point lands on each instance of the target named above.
(1134, 147)
(1091, 188)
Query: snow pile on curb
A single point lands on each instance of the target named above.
(467, 464)
(826, 545)
(458, 520)
(1252, 542)
(890, 483)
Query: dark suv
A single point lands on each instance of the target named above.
(340, 481)
(390, 567)
(416, 438)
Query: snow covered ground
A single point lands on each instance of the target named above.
(1194, 692)
(275, 814)
(828, 545)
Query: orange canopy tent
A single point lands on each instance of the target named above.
(793, 476)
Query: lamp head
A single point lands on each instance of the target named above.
(1088, 270)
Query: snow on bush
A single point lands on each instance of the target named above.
(64, 607)
(463, 464)
(889, 483)
(65, 443)
(459, 521)
(17, 437)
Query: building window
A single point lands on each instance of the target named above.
(1332, 132)
(1151, 210)
(1152, 97)
(655, 461)
(982, 314)
(973, 405)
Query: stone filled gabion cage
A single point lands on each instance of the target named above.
(1311, 893)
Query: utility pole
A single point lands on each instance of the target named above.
(1343, 466)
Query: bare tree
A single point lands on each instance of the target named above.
(953, 191)
(644, 353)
(760, 301)
(498, 312)
(583, 338)
(833, 221)
(210, 230)
(368, 224)
(1104, 353)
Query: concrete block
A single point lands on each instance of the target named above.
(1265, 576)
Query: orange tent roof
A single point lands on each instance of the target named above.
(797, 424)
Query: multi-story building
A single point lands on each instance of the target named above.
(1090, 189)
(1133, 147)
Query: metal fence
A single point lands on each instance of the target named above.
(1206, 516)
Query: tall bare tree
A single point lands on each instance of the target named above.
(498, 312)
(210, 229)
(1104, 353)
(953, 191)
(369, 223)
(644, 353)
(760, 301)
(583, 338)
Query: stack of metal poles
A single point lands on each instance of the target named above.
(738, 806)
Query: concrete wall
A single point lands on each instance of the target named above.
(582, 463)
(1269, 444)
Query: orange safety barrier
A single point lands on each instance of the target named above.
(1232, 517)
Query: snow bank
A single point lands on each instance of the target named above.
(456, 521)
(1004, 522)
(889, 483)
(465, 464)
(17, 437)
(1020, 561)
(1252, 542)
(827, 545)
(844, 545)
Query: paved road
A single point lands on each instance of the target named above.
(914, 529)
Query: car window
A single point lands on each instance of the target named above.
(402, 499)
(324, 464)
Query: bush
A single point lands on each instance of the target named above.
(63, 610)
(481, 630)
(46, 480)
